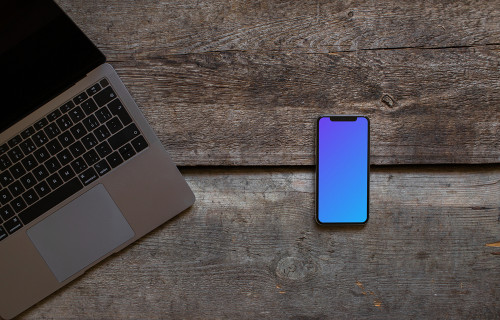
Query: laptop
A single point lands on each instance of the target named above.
(82, 174)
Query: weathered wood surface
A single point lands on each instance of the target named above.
(241, 83)
(249, 248)
(143, 29)
(236, 108)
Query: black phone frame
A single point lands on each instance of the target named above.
(341, 118)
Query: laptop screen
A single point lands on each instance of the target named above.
(42, 53)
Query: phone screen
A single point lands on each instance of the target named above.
(342, 172)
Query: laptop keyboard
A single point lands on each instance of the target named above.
(57, 156)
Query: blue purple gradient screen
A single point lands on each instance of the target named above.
(343, 171)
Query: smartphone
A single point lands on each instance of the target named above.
(342, 169)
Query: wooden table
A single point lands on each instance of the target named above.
(233, 89)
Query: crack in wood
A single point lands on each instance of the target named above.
(290, 51)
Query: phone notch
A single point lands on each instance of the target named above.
(343, 118)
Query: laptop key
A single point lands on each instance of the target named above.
(80, 98)
(102, 133)
(114, 159)
(114, 125)
(105, 96)
(77, 149)
(51, 200)
(41, 124)
(139, 144)
(3, 148)
(64, 157)
(27, 132)
(127, 151)
(66, 173)
(103, 114)
(76, 114)
(54, 115)
(28, 180)
(42, 189)
(89, 106)
(40, 139)
(18, 204)
(6, 178)
(5, 196)
(64, 122)
(30, 197)
(78, 130)
(67, 106)
(40, 173)
(89, 141)
(88, 176)
(15, 141)
(28, 146)
(4, 162)
(54, 181)
(6, 212)
(16, 188)
(52, 130)
(94, 89)
(17, 170)
(15, 154)
(54, 147)
(91, 157)
(66, 139)
(123, 136)
(13, 225)
(79, 165)
(41, 155)
(116, 107)
(104, 83)
(52, 165)
(90, 122)
(29, 162)
(103, 149)
(3, 233)
(102, 167)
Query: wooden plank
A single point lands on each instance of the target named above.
(133, 29)
(257, 105)
(239, 108)
(249, 248)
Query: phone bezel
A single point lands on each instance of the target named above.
(317, 173)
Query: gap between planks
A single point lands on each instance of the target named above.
(410, 168)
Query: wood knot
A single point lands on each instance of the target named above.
(350, 14)
(294, 268)
(388, 100)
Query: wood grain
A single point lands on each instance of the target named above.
(242, 83)
(249, 248)
(140, 29)
(238, 108)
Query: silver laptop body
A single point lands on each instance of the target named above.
(112, 198)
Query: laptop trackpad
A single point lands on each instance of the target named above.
(80, 233)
